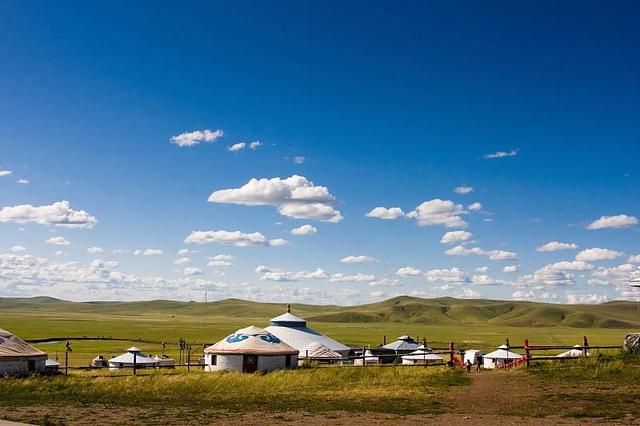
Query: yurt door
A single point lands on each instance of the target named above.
(250, 364)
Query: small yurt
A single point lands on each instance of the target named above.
(126, 360)
(164, 361)
(294, 331)
(573, 353)
(99, 361)
(500, 358)
(404, 345)
(19, 357)
(249, 350)
(422, 356)
(368, 358)
(317, 352)
(472, 355)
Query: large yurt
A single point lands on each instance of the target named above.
(404, 345)
(19, 357)
(317, 352)
(500, 358)
(132, 355)
(422, 356)
(294, 331)
(249, 350)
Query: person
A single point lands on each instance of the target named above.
(468, 366)
(478, 364)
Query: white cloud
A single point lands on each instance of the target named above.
(474, 207)
(467, 293)
(634, 259)
(510, 269)
(447, 275)
(304, 230)
(618, 221)
(270, 274)
(358, 278)
(439, 212)
(182, 261)
(548, 276)
(555, 246)
(455, 237)
(586, 298)
(18, 248)
(533, 295)
(236, 238)
(299, 159)
(183, 251)
(492, 254)
(618, 275)
(147, 252)
(278, 242)
(463, 189)
(358, 259)
(95, 250)
(5, 173)
(58, 214)
(482, 280)
(576, 265)
(501, 154)
(377, 293)
(255, 144)
(294, 197)
(23, 181)
(195, 137)
(193, 271)
(237, 147)
(384, 213)
(408, 271)
(483, 269)
(593, 254)
(58, 241)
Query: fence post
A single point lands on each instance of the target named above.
(451, 349)
(527, 353)
(585, 345)
(364, 357)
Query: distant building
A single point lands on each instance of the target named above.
(18, 357)
(132, 355)
(294, 331)
(472, 355)
(249, 350)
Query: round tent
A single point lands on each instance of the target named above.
(404, 344)
(294, 331)
(127, 359)
(500, 358)
(19, 357)
(249, 350)
(573, 353)
(318, 352)
(422, 356)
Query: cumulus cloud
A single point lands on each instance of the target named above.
(295, 197)
(221, 260)
(56, 214)
(555, 246)
(594, 254)
(500, 154)
(618, 221)
(463, 189)
(456, 237)
(58, 241)
(147, 252)
(255, 144)
(439, 212)
(586, 298)
(5, 173)
(95, 250)
(274, 274)
(576, 265)
(358, 278)
(619, 275)
(18, 248)
(193, 271)
(299, 159)
(23, 181)
(474, 207)
(492, 254)
(549, 276)
(237, 147)
(236, 238)
(447, 275)
(468, 293)
(183, 251)
(385, 213)
(482, 280)
(182, 261)
(408, 271)
(358, 259)
(304, 230)
(634, 259)
(195, 137)
(510, 269)
(483, 269)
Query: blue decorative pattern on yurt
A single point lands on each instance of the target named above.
(239, 337)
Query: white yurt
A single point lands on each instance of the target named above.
(164, 361)
(404, 344)
(500, 357)
(19, 357)
(422, 356)
(249, 350)
(369, 358)
(572, 353)
(318, 352)
(472, 356)
(294, 331)
(126, 360)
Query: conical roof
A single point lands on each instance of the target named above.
(251, 340)
(423, 354)
(12, 346)
(288, 320)
(503, 352)
(317, 350)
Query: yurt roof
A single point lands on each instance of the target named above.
(52, 363)
(301, 337)
(502, 353)
(423, 354)
(13, 347)
(134, 349)
(403, 344)
(317, 350)
(573, 352)
(127, 358)
(288, 318)
(252, 340)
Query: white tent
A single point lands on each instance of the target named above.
(573, 353)
(316, 351)
(369, 358)
(126, 360)
(249, 350)
(500, 357)
(294, 331)
(421, 356)
(404, 344)
(19, 357)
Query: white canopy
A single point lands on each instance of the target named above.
(502, 353)
(251, 340)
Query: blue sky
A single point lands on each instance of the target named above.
(369, 104)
